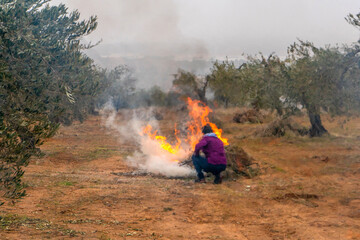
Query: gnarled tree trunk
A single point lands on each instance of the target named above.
(317, 129)
(201, 91)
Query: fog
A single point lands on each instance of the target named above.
(155, 37)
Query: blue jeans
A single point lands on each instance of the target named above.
(201, 164)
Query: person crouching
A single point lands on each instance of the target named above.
(214, 160)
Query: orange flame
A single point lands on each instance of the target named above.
(198, 113)
(161, 139)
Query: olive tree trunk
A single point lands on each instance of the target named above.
(317, 129)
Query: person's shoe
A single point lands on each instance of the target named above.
(218, 180)
(200, 180)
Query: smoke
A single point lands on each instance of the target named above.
(145, 35)
(149, 157)
(139, 28)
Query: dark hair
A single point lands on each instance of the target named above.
(207, 129)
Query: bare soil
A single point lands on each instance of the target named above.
(309, 188)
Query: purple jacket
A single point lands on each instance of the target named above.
(213, 149)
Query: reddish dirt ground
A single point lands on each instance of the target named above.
(308, 189)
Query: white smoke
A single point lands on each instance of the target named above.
(150, 157)
(145, 35)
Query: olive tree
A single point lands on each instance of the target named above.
(226, 82)
(45, 79)
(322, 79)
(190, 85)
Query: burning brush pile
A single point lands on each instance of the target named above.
(158, 154)
(167, 157)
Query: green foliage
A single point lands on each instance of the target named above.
(314, 76)
(354, 20)
(190, 85)
(119, 85)
(157, 96)
(45, 79)
(322, 79)
(120, 91)
(317, 79)
(226, 82)
(264, 82)
(258, 82)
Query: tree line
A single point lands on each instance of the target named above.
(318, 79)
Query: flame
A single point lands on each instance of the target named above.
(198, 113)
(161, 139)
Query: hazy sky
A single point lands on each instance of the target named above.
(217, 28)
(210, 29)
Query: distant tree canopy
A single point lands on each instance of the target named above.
(120, 90)
(158, 96)
(227, 83)
(318, 79)
(190, 85)
(257, 82)
(45, 79)
(119, 87)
